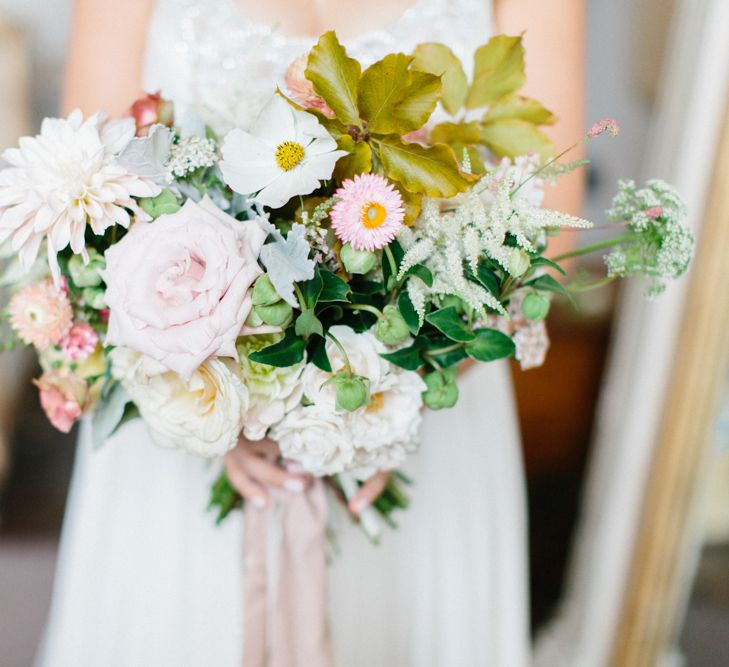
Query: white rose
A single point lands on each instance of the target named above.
(273, 391)
(202, 415)
(375, 437)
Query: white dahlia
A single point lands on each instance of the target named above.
(65, 179)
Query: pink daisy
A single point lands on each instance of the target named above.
(369, 213)
(40, 314)
(80, 342)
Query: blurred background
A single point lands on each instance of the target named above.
(626, 41)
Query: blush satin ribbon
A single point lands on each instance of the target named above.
(295, 632)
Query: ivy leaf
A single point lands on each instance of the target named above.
(392, 99)
(449, 323)
(408, 358)
(312, 289)
(317, 350)
(523, 108)
(438, 59)
(430, 170)
(464, 133)
(547, 283)
(307, 323)
(335, 77)
(359, 160)
(422, 272)
(498, 70)
(287, 260)
(287, 352)
(512, 137)
(408, 312)
(334, 288)
(490, 345)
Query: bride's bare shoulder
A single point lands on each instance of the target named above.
(106, 54)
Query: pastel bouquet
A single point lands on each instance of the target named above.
(318, 277)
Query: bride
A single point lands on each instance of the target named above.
(144, 576)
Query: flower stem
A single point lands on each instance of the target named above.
(300, 297)
(586, 287)
(600, 245)
(547, 164)
(340, 347)
(391, 259)
(365, 307)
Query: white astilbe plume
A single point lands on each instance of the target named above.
(451, 238)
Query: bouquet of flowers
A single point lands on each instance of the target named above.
(316, 278)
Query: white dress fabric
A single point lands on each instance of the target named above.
(144, 576)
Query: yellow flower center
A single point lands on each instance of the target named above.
(289, 154)
(377, 402)
(373, 215)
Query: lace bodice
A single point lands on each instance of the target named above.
(208, 57)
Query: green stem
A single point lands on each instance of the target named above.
(391, 259)
(340, 347)
(300, 298)
(444, 350)
(586, 250)
(586, 287)
(547, 164)
(365, 307)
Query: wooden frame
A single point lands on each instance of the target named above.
(634, 551)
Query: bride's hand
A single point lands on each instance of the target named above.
(369, 492)
(251, 466)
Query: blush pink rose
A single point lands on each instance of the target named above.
(63, 397)
(178, 288)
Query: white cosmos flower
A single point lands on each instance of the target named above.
(285, 154)
(64, 179)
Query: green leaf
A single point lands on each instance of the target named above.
(547, 283)
(512, 137)
(543, 261)
(334, 288)
(490, 345)
(359, 160)
(488, 279)
(438, 59)
(287, 352)
(462, 133)
(311, 289)
(523, 108)
(422, 272)
(408, 312)
(307, 323)
(409, 358)
(433, 171)
(450, 358)
(498, 70)
(317, 350)
(392, 99)
(335, 77)
(449, 322)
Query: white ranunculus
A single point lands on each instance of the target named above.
(202, 415)
(273, 391)
(375, 437)
(286, 153)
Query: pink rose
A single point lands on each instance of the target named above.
(149, 110)
(63, 397)
(178, 289)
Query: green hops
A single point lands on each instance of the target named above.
(535, 307)
(268, 307)
(352, 391)
(357, 261)
(442, 390)
(519, 262)
(391, 329)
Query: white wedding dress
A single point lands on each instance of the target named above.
(145, 578)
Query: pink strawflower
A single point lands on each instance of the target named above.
(369, 213)
(606, 125)
(63, 397)
(80, 342)
(301, 89)
(40, 314)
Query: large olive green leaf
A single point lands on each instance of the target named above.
(523, 108)
(464, 133)
(512, 137)
(358, 161)
(335, 77)
(440, 60)
(381, 90)
(412, 203)
(427, 170)
(418, 101)
(474, 156)
(498, 70)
